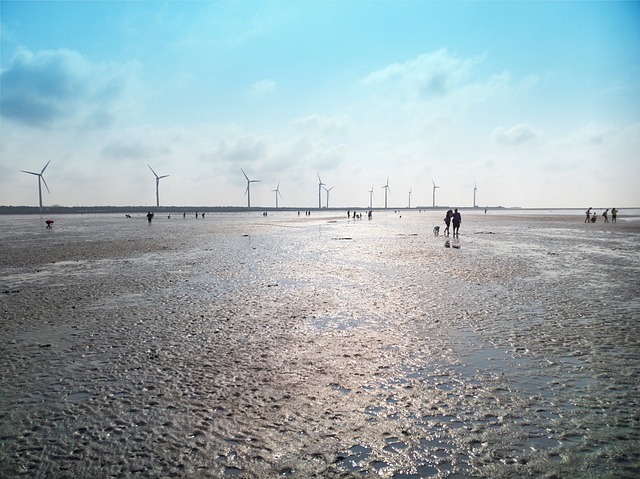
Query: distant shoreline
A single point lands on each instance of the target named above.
(27, 210)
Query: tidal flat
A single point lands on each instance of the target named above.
(318, 346)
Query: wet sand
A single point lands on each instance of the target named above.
(243, 346)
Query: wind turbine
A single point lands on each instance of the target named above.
(248, 190)
(328, 190)
(386, 190)
(409, 198)
(158, 178)
(40, 181)
(434, 192)
(277, 192)
(475, 187)
(320, 185)
(371, 197)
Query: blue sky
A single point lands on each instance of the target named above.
(537, 103)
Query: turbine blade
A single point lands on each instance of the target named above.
(30, 172)
(45, 183)
(45, 166)
(245, 175)
(154, 173)
(164, 176)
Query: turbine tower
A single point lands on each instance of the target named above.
(158, 178)
(248, 190)
(386, 190)
(320, 185)
(277, 192)
(475, 187)
(40, 181)
(409, 198)
(434, 192)
(328, 190)
(371, 197)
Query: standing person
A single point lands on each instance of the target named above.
(149, 216)
(447, 221)
(614, 215)
(457, 219)
(604, 215)
(588, 218)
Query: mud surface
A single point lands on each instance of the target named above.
(244, 346)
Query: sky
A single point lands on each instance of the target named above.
(534, 104)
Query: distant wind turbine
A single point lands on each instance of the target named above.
(158, 178)
(434, 192)
(371, 197)
(328, 190)
(40, 181)
(248, 190)
(320, 185)
(409, 198)
(475, 188)
(386, 190)
(277, 192)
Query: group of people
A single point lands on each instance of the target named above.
(592, 217)
(455, 218)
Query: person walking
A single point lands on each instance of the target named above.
(447, 221)
(456, 220)
(605, 215)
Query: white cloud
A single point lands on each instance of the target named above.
(428, 76)
(56, 88)
(323, 124)
(516, 135)
(262, 87)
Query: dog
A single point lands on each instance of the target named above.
(436, 231)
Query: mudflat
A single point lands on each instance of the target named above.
(251, 346)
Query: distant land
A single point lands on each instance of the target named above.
(56, 209)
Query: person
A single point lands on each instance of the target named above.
(456, 220)
(594, 217)
(149, 216)
(604, 215)
(614, 215)
(588, 218)
(447, 221)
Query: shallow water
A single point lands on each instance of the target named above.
(245, 346)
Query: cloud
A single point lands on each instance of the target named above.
(61, 88)
(129, 148)
(322, 123)
(262, 87)
(428, 76)
(516, 135)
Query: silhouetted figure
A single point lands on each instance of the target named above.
(149, 216)
(605, 215)
(49, 223)
(447, 221)
(614, 215)
(588, 213)
(594, 217)
(456, 220)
